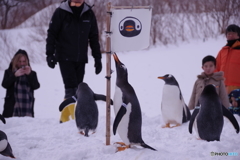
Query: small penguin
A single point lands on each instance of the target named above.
(208, 117)
(5, 148)
(86, 111)
(174, 110)
(128, 120)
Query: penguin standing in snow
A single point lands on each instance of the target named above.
(128, 120)
(208, 118)
(174, 110)
(5, 148)
(86, 111)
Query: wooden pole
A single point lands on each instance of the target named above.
(108, 70)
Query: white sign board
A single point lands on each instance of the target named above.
(130, 29)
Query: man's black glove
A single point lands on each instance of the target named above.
(51, 60)
(98, 66)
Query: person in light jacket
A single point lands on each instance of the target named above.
(209, 77)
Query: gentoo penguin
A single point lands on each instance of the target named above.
(174, 110)
(5, 148)
(128, 120)
(208, 118)
(86, 111)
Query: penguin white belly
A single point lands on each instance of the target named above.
(172, 108)
(123, 125)
(122, 129)
(3, 144)
(117, 99)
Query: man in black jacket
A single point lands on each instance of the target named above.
(72, 27)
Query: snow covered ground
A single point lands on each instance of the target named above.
(44, 138)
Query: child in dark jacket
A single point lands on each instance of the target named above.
(234, 98)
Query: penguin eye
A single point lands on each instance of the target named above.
(123, 67)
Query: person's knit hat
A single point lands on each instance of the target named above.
(20, 51)
(236, 94)
(233, 28)
(209, 58)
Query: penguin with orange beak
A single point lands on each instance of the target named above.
(128, 120)
(174, 110)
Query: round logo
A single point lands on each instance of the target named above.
(130, 27)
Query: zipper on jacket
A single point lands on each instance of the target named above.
(227, 63)
(79, 32)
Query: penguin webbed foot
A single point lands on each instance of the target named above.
(168, 125)
(122, 147)
(84, 134)
(81, 132)
(176, 125)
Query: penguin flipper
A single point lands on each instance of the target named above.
(147, 146)
(67, 102)
(2, 119)
(186, 114)
(194, 114)
(101, 97)
(230, 116)
(122, 111)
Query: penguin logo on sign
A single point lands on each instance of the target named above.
(130, 27)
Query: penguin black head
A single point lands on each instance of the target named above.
(122, 74)
(209, 90)
(169, 79)
(83, 85)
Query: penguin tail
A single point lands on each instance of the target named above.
(147, 146)
(86, 132)
(12, 156)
